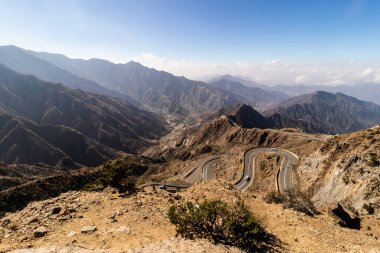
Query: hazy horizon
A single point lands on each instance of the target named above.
(270, 42)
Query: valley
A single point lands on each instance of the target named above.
(113, 146)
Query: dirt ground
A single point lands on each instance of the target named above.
(140, 222)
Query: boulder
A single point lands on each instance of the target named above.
(55, 210)
(40, 232)
(346, 216)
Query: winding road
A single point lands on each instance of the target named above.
(209, 169)
(206, 168)
(284, 177)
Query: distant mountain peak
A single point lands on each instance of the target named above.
(326, 112)
(246, 117)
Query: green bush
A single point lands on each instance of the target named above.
(220, 223)
(117, 174)
(292, 199)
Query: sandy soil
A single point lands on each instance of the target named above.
(139, 222)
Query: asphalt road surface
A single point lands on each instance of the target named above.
(206, 168)
(284, 179)
(209, 169)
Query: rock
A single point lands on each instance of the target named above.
(88, 229)
(40, 232)
(123, 229)
(4, 223)
(55, 210)
(347, 217)
(71, 233)
(64, 218)
(32, 220)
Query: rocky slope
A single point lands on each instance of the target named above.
(325, 113)
(346, 169)
(45, 122)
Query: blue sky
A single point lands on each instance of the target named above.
(188, 33)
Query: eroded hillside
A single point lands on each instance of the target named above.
(50, 123)
(346, 168)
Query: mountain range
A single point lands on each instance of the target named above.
(318, 112)
(154, 90)
(98, 105)
(56, 125)
(363, 91)
(325, 112)
(254, 96)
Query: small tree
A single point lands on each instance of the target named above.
(119, 175)
(220, 223)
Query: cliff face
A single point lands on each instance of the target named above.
(346, 169)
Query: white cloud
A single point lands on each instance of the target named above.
(367, 72)
(301, 79)
(270, 72)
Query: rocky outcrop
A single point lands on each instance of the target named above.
(345, 169)
(347, 218)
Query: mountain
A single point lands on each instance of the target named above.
(257, 97)
(230, 128)
(156, 90)
(363, 91)
(246, 117)
(49, 123)
(23, 62)
(326, 113)
(236, 79)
